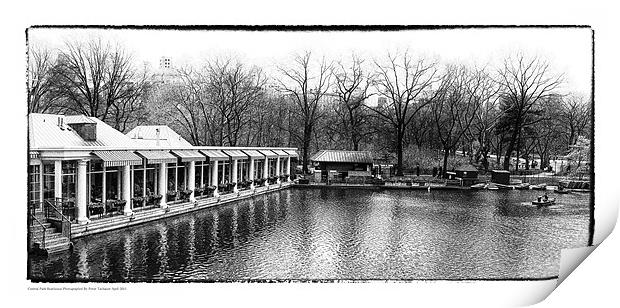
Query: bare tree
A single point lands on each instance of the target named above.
(576, 111)
(306, 88)
(98, 80)
(41, 97)
(525, 84)
(406, 83)
(233, 88)
(351, 85)
(461, 94)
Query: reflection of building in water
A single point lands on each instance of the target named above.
(251, 215)
(216, 220)
(235, 216)
(163, 248)
(82, 266)
(127, 249)
(192, 238)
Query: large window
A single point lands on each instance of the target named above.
(272, 166)
(48, 181)
(258, 168)
(226, 174)
(113, 183)
(68, 180)
(100, 179)
(151, 179)
(34, 183)
(95, 181)
(202, 174)
(242, 170)
(176, 177)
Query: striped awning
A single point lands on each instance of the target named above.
(189, 155)
(291, 153)
(118, 158)
(280, 153)
(34, 154)
(268, 153)
(157, 157)
(235, 154)
(214, 155)
(254, 154)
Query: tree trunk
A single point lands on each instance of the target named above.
(399, 153)
(446, 153)
(306, 147)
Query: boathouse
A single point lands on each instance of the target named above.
(82, 170)
(339, 165)
(467, 174)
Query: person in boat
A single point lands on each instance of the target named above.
(546, 198)
(539, 198)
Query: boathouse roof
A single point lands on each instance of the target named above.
(157, 135)
(54, 131)
(343, 156)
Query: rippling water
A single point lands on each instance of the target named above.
(339, 234)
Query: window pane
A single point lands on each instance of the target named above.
(138, 181)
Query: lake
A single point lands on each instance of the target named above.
(330, 233)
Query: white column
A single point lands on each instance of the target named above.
(288, 168)
(278, 169)
(266, 169)
(81, 192)
(191, 179)
(126, 191)
(214, 180)
(104, 189)
(251, 172)
(119, 180)
(163, 184)
(58, 179)
(41, 183)
(235, 166)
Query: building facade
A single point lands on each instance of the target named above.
(339, 165)
(88, 169)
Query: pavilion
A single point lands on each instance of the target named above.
(87, 168)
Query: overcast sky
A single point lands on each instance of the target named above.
(568, 50)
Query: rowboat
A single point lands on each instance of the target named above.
(549, 201)
(479, 186)
(542, 186)
(562, 191)
(502, 186)
(523, 186)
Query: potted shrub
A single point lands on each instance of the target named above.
(120, 204)
(95, 208)
(222, 187)
(186, 193)
(155, 199)
(210, 190)
(138, 201)
(199, 191)
(171, 195)
(283, 177)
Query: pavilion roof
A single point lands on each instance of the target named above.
(343, 156)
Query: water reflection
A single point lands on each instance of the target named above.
(338, 234)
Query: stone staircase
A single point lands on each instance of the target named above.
(55, 241)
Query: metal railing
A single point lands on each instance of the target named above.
(52, 212)
(32, 219)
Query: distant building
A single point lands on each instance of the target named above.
(333, 164)
(381, 102)
(165, 63)
(166, 72)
